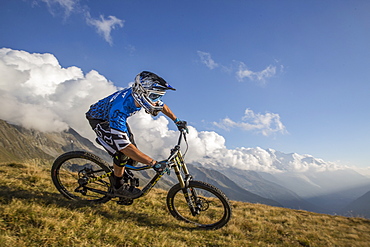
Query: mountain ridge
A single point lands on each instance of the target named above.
(359, 207)
(18, 143)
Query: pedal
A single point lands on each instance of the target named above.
(125, 201)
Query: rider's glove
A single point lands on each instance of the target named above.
(181, 125)
(159, 166)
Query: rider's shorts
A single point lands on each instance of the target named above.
(111, 139)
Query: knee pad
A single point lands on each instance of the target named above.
(119, 159)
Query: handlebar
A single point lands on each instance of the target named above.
(183, 132)
(174, 151)
(177, 147)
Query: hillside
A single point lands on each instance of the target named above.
(32, 213)
(20, 144)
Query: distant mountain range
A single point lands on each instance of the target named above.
(294, 180)
(333, 191)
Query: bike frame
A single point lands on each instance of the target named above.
(175, 161)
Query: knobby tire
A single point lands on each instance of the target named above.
(215, 209)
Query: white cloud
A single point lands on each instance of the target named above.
(105, 26)
(266, 124)
(154, 137)
(242, 71)
(67, 5)
(36, 92)
(261, 76)
(31, 82)
(206, 58)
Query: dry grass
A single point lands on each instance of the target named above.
(32, 213)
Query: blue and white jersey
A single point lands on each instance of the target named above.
(115, 109)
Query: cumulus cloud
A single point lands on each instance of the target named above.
(266, 124)
(36, 92)
(206, 59)
(261, 76)
(208, 148)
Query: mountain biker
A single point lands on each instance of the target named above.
(108, 118)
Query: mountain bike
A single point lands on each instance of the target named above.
(80, 175)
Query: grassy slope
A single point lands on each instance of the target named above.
(32, 213)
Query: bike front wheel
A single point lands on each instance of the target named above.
(80, 175)
(201, 204)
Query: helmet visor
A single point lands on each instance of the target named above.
(154, 97)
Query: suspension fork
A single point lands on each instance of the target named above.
(180, 164)
(184, 183)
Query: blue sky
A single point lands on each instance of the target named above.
(288, 75)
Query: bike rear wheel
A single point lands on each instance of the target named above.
(212, 207)
(80, 175)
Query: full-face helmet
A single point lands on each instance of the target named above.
(148, 90)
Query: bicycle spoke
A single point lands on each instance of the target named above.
(211, 207)
(78, 177)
